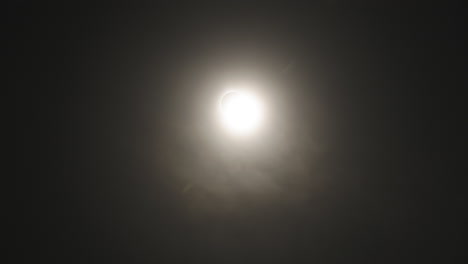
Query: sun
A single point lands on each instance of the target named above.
(241, 112)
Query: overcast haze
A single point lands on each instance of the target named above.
(126, 161)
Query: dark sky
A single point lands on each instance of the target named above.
(119, 160)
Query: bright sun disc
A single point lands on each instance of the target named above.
(240, 111)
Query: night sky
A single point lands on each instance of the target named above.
(120, 158)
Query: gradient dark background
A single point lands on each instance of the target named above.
(117, 161)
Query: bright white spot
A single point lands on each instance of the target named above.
(240, 111)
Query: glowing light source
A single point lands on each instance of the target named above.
(240, 111)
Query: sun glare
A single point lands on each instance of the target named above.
(240, 111)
